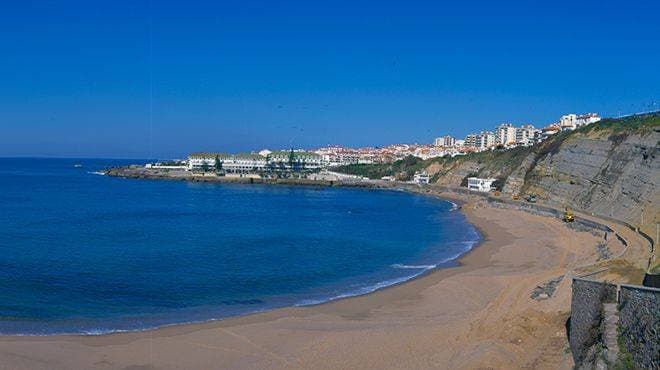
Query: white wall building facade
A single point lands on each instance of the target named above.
(421, 178)
(482, 141)
(526, 135)
(505, 134)
(479, 184)
(573, 121)
(252, 162)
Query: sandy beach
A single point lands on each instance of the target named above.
(479, 314)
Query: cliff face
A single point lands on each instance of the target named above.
(497, 164)
(608, 173)
(610, 168)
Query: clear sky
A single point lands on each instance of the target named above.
(138, 79)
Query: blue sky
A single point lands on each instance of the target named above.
(138, 79)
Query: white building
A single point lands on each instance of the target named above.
(481, 141)
(568, 122)
(487, 140)
(199, 160)
(421, 178)
(252, 162)
(587, 119)
(573, 121)
(298, 159)
(478, 184)
(505, 134)
(549, 131)
(338, 156)
(526, 135)
(230, 163)
(471, 140)
(445, 141)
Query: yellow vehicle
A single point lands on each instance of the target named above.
(515, 197)
(569, 216)
(497, 193)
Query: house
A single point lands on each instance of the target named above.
(479, 184)
(421, 178)
(573, 121)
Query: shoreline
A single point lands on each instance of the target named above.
(456, 262)
(477, 313)
(447, 263)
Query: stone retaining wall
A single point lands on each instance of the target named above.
(639, 321)
(586, 315)
(639, 315)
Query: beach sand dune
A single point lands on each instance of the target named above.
(477, 315)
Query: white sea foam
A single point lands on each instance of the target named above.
(467, 246)
(360, 291)
(100, 173)
(423, 267)
(454, 207)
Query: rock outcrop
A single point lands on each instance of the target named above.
(610, 168)
(615, 175)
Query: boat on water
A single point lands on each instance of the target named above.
(77, 165)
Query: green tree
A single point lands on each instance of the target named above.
(292, 158)
(269, 164)
(218, 164)
(205, 166)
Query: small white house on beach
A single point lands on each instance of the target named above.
(479, 184)
(421, 178)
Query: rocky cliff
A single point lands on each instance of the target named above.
(610, 168)
(606, 169)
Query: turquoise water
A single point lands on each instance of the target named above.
(86, 253)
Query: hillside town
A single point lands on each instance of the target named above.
(504, 136)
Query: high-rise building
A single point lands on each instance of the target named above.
(446, 141)
(471, 140)
(481, 141)
(486, 140)
(505, 134)
(526, 135)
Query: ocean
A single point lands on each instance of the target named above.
(90, 254)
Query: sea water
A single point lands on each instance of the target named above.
(85, 253)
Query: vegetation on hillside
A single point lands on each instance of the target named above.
(642, 123)
(502, 160)
(403, 169)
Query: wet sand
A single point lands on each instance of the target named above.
(476, 315)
